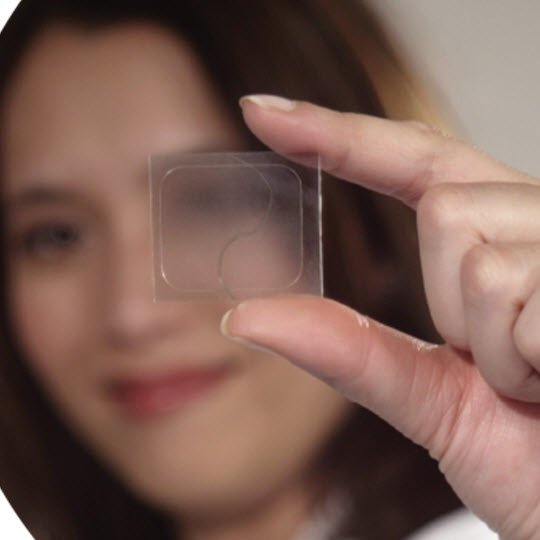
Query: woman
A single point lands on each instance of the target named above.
(259, 447)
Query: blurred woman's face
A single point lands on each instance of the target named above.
(190, 420)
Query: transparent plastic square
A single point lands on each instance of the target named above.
(234, 225)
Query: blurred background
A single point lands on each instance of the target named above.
(480, 57)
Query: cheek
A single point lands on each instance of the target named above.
(51, 320)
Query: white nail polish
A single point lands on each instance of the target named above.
(267, 101)
(239, 340)
(223, 325)
(250, 345)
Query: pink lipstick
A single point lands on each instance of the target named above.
(146, 397)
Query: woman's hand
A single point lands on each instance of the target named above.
(474, 402)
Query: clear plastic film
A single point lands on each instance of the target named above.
(234, 225)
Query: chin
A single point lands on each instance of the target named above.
(200, 494)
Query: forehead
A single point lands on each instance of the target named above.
(123, 86)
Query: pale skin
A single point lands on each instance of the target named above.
(473, 402)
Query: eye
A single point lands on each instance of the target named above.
(51, 239)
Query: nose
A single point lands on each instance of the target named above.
(131, 317)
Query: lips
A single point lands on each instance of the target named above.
(147, 397)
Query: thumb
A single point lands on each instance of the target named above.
(417, 387)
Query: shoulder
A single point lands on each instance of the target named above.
(462, 524)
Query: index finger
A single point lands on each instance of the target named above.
(400, 159)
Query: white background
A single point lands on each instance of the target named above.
(481, 56)
(11, 527)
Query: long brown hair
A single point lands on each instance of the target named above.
(331, 53)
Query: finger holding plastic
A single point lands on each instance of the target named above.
(387, 371)
(400, 159)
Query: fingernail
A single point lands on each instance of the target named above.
(223, 325)
(225, 331)
(267, 101)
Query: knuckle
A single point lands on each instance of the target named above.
(429, 150)
(423, 128)
(486, 272)
(441, 209)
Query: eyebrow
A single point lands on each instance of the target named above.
(39, 194)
